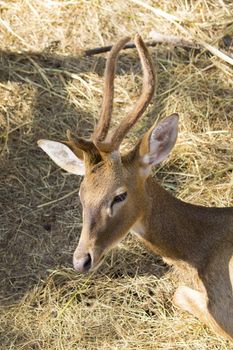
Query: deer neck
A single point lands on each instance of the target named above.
(175, 229)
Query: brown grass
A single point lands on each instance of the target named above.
(45, 88)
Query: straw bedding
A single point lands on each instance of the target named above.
(46, 87)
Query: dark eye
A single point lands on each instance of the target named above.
(119, 198)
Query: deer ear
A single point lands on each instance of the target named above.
(63, 156)
(157, 143)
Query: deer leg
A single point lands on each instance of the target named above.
(192, 301)
(196, 303)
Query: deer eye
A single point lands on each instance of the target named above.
(119, 198)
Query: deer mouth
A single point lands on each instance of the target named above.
(97, 264)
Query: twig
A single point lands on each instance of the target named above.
(59, 199)
(161, 39)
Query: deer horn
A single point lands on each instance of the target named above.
(102, 127)
(101, 130)
(113, 142)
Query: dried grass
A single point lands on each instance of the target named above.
(45, 88)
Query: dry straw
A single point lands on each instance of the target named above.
(46, 88)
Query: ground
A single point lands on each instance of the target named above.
(47, 86)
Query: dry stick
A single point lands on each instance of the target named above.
(163, 40)
(58, 200)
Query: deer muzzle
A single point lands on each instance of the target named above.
(87, 256)
(82, 264)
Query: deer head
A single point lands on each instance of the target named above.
(113, 189)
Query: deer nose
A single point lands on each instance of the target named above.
(82, 264)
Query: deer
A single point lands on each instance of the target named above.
(119, 195)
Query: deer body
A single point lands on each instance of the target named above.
(182, 231)
(119, 195)
(201, 237)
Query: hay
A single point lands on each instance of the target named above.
(46, 88)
